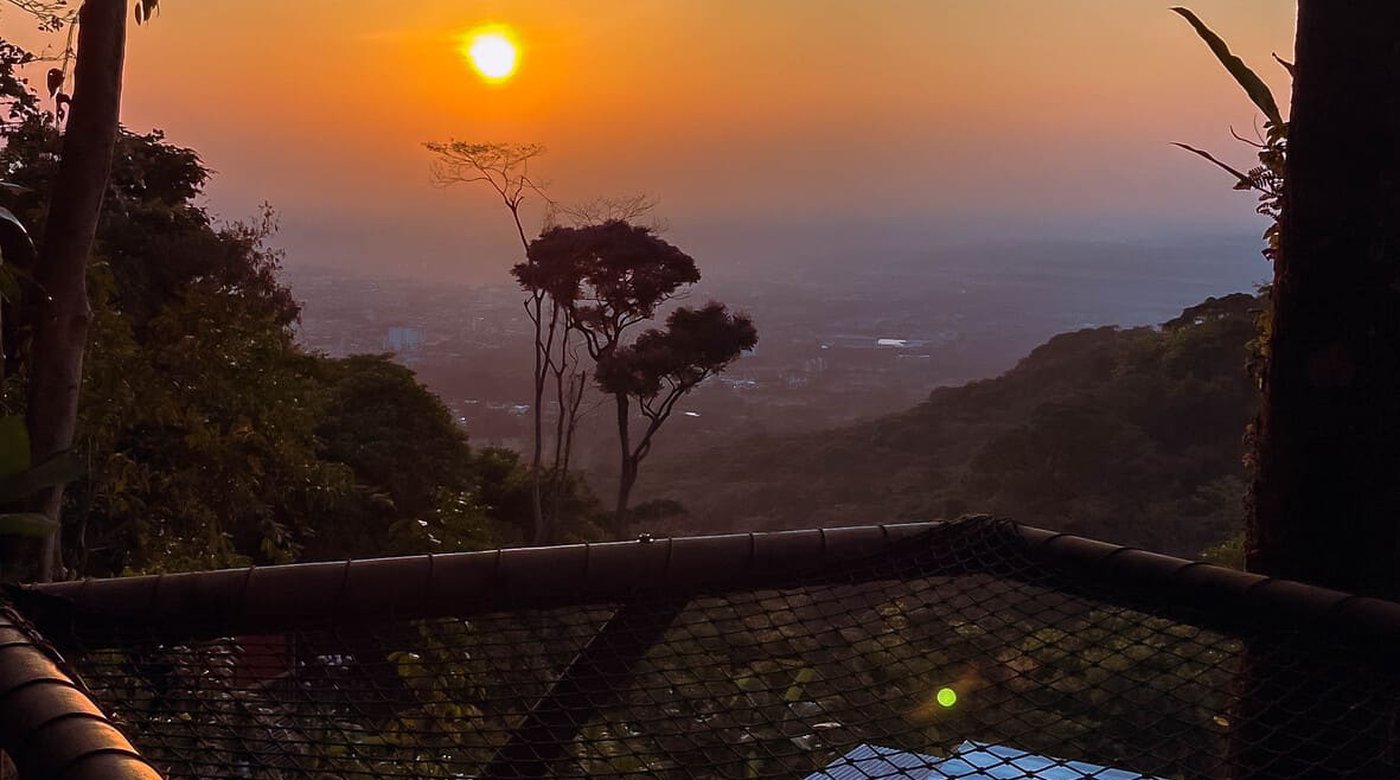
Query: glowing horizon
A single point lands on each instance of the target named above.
(783, 112)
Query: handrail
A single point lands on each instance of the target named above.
(48, 726)
(263, 598)
(1211, 595)
(463, 584)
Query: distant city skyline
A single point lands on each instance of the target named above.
(920, 118)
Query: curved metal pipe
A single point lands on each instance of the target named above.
(273, 598)
(270, 598)
(48, 726)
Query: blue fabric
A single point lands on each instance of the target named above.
(971, 761)
(872, 762)
(975, 761)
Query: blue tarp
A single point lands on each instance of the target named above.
(974, 761)
(870, 762)
(971, 761)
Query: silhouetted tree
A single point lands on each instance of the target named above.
(659, 369)
(505, 170)
(610, 278)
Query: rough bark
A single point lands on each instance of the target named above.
(1327, 507)
(61, 323)
(1326, 499)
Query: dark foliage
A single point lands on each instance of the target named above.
(1129, 435)
(696, 344)
(209, 437)
(16, 98)
(609, 276)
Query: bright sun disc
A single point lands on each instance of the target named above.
(492, 53)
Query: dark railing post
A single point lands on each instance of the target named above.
(593, 681)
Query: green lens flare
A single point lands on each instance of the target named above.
(947, 697)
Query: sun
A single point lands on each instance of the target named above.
(492, 52)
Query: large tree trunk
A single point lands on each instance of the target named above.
(1326, 501)
(61, 323)
(1327, 505)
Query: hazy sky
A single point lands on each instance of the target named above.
(928, 115)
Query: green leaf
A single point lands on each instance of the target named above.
(9, 283)
(13, 227)
(14, 446)
(30, 524)
(1253, 86)
(15, 247)
(57, 470)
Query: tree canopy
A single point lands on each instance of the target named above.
(209, 437)
(609, 276)
(1131, 435)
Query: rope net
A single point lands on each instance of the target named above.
(965, 659)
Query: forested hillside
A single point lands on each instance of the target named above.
(1128, 435)
(207, 436)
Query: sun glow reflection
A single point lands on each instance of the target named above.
(492, 52)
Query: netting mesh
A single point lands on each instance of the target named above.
(969, 662)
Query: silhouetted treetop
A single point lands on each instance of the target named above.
(609, 275)
(695, 344)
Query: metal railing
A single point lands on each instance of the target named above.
(746, 655)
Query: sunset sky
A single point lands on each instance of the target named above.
(994, 116)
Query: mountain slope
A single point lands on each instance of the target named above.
(1130, 435)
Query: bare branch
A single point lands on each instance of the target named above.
(1256, 144)
(638, 209)
(504, 168)
(51, 15)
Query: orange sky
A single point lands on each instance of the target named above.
(772, 112)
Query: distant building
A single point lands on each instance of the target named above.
(403, 340)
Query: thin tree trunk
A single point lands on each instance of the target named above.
(1325, 506)
(538, 532)
(61, 324)
(558, 471)
(628, 473)
(574, 392)
(632, 459)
